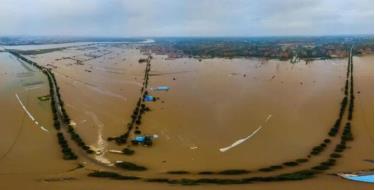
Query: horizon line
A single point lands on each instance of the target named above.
(186, 36)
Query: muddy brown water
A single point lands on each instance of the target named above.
(211, 104)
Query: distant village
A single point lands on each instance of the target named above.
(283, 48)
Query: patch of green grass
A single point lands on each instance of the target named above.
(44, 98)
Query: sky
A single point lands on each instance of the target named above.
(153, 18)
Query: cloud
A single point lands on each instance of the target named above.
(185, 17)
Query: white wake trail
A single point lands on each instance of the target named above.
(29, 114)
(240, 141)
(268, 118)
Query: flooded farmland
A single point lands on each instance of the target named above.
(271, 111)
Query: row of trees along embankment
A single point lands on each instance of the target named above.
(139, 110)
(61, 118)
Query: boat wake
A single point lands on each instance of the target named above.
(30, 116)
(240, 141)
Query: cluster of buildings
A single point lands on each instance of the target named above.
(274, 48)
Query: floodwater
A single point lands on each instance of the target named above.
(45, 46)
(211, 104)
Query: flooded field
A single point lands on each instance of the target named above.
(271, 111)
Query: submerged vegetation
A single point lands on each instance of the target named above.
(128, 151)
(111, 175)
(299, 175)
(234, 172)
(178, 172)
(130, 166)
(39, 51)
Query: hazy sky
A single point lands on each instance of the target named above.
(185, 17)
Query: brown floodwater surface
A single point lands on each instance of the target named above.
(210, 105)
(26, 148)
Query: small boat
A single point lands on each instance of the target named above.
(143, 140)
(367, 177)
(162, 88)
(149, 98)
